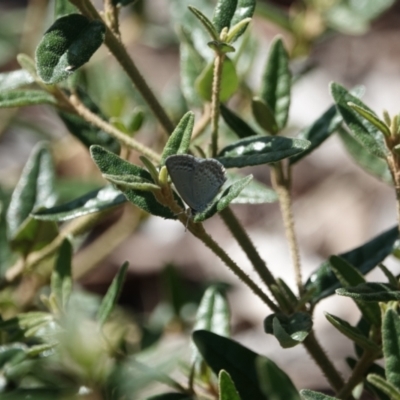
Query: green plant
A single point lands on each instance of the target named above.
(72, 345)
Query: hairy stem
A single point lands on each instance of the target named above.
(120, 53)
(216, 88)
(318, 354)
(248, 247)
(282, 186)
(357, 375)
(165, 196)
(201, 234)
(393, 164)
(92, 254)
(129, 142)
(111, 17)
(74, 228)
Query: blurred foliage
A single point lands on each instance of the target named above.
(58, 340)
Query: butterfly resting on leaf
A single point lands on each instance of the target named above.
(196, 180)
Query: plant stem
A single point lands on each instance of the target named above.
(201, 234)
(203, 122)
(216, 87)
(393, 164)
(120, 53)
(91, 117)
(165, 196)
(318, 354)
(75, 228)
(282, 186)
(111, 17)
(247, 245)
(92, 254)
(357, 375)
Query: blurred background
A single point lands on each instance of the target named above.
(337, 205)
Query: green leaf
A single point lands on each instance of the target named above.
(229, 81)
(276, 83)
(350, 276)
(34, 189)
(227, 197)
(61, 279)
(223, 14)
(311, 395)
(213, 313)
(353, 18)
(371, 117)
(227, 389)
(390, 277)
(30, 324)
(253, 193)
(63, 7)
(364, 258)
(386, 387)
(192, 65)
(240, 363)
(131, 182)
(10, 351)
(208, 25)
(182, 16)
(371, 291)
(352, 333)
(260, 150)
(67, 45)
(150, 167)
(367, 161)
(95, 201)
(391, 346)
(264, 115)
(33, 235)
(290, 330)
(28, 64)
(341, 18)
(319, 131)
(237, 124)
(373, 369)
(111, 297)
(87, 133)
(221, 47)
(244, 9)
(274, 382)
(287, 292)
(136, 120)
(179, 141)
(366, 133)
(370, 9)
(15, 79)
(6, 256)
(111, 164)
(22, 98)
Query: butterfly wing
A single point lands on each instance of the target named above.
(209, 176)
(181, 169)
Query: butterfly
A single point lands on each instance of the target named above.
(197, 180)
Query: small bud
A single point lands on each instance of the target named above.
(163, 176)
(223, 35)
(237, 30)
